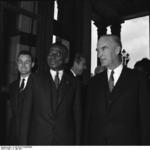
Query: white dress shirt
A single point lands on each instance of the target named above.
(25, 81)
(53, 74)
(117, 73)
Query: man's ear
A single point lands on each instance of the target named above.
(118, 49)
(66, 60)
(33, 64)
(75, 63)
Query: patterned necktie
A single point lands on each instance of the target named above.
(111, 81)
(57, 79)
(22, 85)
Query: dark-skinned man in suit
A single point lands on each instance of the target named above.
(117, 110)
(56, 114)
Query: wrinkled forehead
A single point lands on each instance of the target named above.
(55, 49)
(58, 49)
(107, 40)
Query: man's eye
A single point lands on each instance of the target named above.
(28, 62)
(103, 48)
(19, 62)
(58, 54)
(55, 54)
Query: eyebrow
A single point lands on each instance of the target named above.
(103, 47)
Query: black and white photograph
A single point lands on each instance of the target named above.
(74, 74)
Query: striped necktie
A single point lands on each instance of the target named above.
(22, 85)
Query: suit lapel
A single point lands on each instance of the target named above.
(102, 90)
(28, 83)
(17, 86)
(47, 82)
(106, 88)
(120, 85)
(15, 91)
(63, 88)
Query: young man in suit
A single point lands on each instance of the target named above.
(56, 114)
(21, 99)
(77, 70)
(117, 111)
(79, 65)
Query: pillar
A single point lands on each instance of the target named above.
(101, 28)
(116, 29)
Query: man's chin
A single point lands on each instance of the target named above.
(103, 64)
(54, 67)
(25, 73)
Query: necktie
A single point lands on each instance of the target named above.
(22, 85)
(111, 81)
(57, 79)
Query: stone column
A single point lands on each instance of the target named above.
(86, 40)
(101, 29)
(116, 29)
(45, 32)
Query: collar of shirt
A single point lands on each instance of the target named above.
(73, 73)
(117, 73)
(53, 74)
(25, 81)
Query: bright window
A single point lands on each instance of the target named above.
(55, 10)
(135, 39)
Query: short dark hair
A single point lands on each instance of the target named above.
(78, 57)
(62, 47)
(144, 64)
(26, 52)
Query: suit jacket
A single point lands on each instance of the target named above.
(121, 117)
(83, 99)
(79, 77)
(59, 124)
(20, 103)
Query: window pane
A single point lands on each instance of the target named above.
(135, 39)
(93, 47)
(55, 10)
(24, 23)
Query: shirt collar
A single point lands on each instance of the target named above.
(26, 78)
(25, 81)
(53, 73)
(117, 72)
(73, 73)
(119, 68)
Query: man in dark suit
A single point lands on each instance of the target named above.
(117, 111)
(79, 65)
(56, 114)
(20, 100)
(77, 69)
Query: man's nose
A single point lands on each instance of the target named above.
(23, 64)
(99, 54)
(54, 56)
